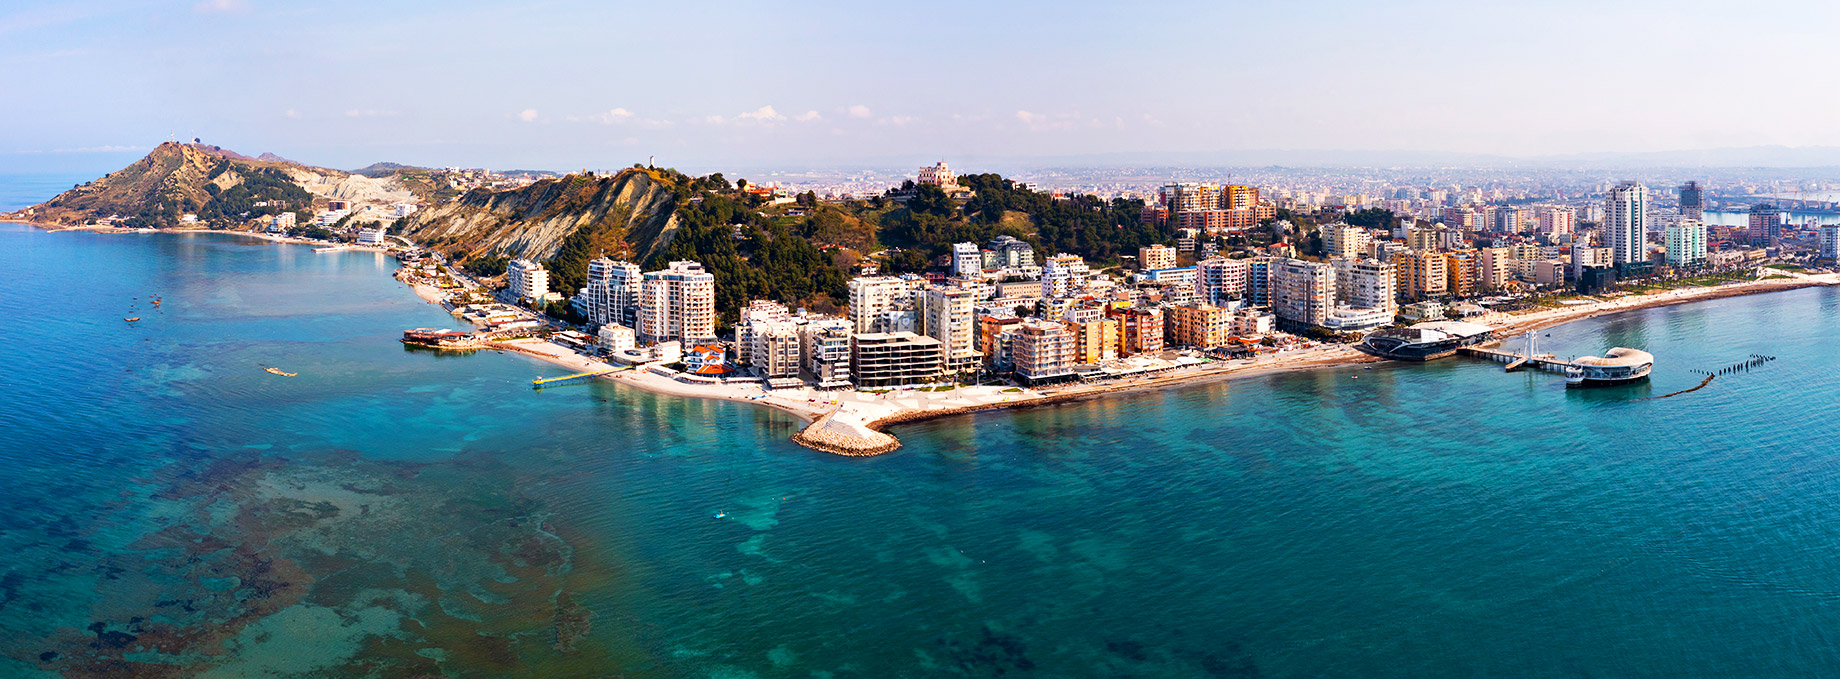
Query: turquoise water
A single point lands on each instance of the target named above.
(172, 510)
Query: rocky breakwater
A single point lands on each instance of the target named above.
(843, 432)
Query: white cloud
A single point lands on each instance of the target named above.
(618, 115)
(764, 114)
(808, 116)
(291, 113)
(1037, 122)
(859, 111)
(529, 115)
(221, 6)
(897, 121)
(714, 120)
(98, 149)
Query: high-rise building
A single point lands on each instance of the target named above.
(1095, 337)
(775, 350)
(1686, 242)
(1366, 284)
(1258, 281)
(1140, 331)
(873, 297)
(1692, 202)
(1219, 280)
(990, 332)
(1343, 240)
(1494, 267)
(1766, 222)
(1420, 274)
(1460, 272)
(947, 315)
(757, 317)
(1042, 351)
(1062, 274)
(825, 349)
(1156, 257)
(611, 295)
(1557, 221)
(677, 303)
(527, 280)
(1626, 223)
(1302, 292)
(1830, 242)
(1203, 326)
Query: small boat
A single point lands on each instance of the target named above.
(278, 372)
(131, 320)
(721, 515)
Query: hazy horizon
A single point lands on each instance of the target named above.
(565, 85)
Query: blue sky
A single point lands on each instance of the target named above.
(707, 85)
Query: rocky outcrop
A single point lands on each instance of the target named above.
(636, 208)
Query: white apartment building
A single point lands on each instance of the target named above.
(775, 349)
(1626, 223)
(1588, 257)
(1830, 241)
(1686, 243)
(1063, 274)
(759, 315)
(1219, 280)
(527, 280)
(967, 260)
(370, 235)
(677, 303)
(1366, 284)
(825, 349)
(612, 292)
(1302, 292)
(948, 314)
(1343, 240)
(872, 297)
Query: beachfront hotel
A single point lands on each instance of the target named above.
(677, 303)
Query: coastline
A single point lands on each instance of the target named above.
(852, 423)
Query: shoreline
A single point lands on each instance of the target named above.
(853, 423)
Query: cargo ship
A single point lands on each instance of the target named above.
(1425, 341)
(1620, 365)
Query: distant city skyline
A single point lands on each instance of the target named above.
(564, 85)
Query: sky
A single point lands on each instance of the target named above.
(713, 84)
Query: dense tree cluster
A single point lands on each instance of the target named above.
(1372, 218)
(1084, 225)
(751, 256)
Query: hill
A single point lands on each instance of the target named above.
(221, 187)
(377, 170)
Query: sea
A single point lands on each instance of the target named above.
(170, 509)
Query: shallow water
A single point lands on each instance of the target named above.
(175, 510)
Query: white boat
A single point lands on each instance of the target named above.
(1620, 365)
